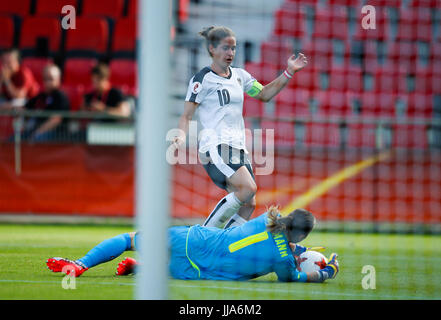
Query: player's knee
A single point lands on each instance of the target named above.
(247, 192)
(252, 202)
(252, 190)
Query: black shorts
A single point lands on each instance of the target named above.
(223, 161)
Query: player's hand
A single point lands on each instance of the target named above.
(297, 63)
(332, 267)
(298, 249)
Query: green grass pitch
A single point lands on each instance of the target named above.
(406, 267)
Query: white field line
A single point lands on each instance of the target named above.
(253, 289)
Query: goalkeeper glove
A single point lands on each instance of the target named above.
(331, 269)
(298, 249)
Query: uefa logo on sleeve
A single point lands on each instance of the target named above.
(197, 87)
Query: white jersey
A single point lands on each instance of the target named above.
(220, 107)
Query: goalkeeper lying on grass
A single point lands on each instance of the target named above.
(260, 246)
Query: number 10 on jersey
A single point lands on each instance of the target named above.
(224, 97)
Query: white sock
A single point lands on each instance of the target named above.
(224, 210)
(235, 221)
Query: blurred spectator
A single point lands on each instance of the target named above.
(17, 83)
(105, 98)
(51, 98)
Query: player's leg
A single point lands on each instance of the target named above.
(246, 210)
(233, 202)
(243, 215)
(128, 265)
(228, 171)
(105, 251)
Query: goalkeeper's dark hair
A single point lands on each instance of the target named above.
(296, 226)
(214, 35)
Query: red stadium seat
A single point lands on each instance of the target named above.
(108, 8)
(36, 65)
(354, 78)
(338, 103)
(436, 77)
(375, 54)
(409, 136)
(387, 103)
(290, 22)
(406, 82)
(123, 74)
(320, 52)
(125, 35)
(346, 78)
(369, 104)
(77, 72)
(75, 95)
(347, 3)
(424, 3)
(276, 52)
(91, 34)
(361, 135)
(378, 104)
(435, 51)
(423, 80)
(415, 25)
(385, 3)
(34, 28)
(16, 7)
(403, 55)
(382, 28)
(388, 79)
(284, 132)
(292, 102)
(262, 72)
(354, 101)
(308, 78)
(322, 134)
(419, 105)
(132, 10)
(324, 53)
(332, 102)
(7, 32)
(252, 107)
(52, 7)
(331, 22)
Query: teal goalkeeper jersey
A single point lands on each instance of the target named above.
(238, 253)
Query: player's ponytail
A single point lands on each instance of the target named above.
(214, 35)
(204, 33)
(276, 223)
(296, 226)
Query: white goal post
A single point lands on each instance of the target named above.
(152, 170)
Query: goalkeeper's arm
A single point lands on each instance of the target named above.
(328, 272)
(297, 249)
(291, 274)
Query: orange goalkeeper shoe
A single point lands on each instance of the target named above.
(125, 267)
(66, 266)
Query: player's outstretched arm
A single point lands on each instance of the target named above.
(294, 64)
(298, 249)
(328, 272)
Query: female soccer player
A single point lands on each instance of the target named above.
(217, 92)
(262, 245)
